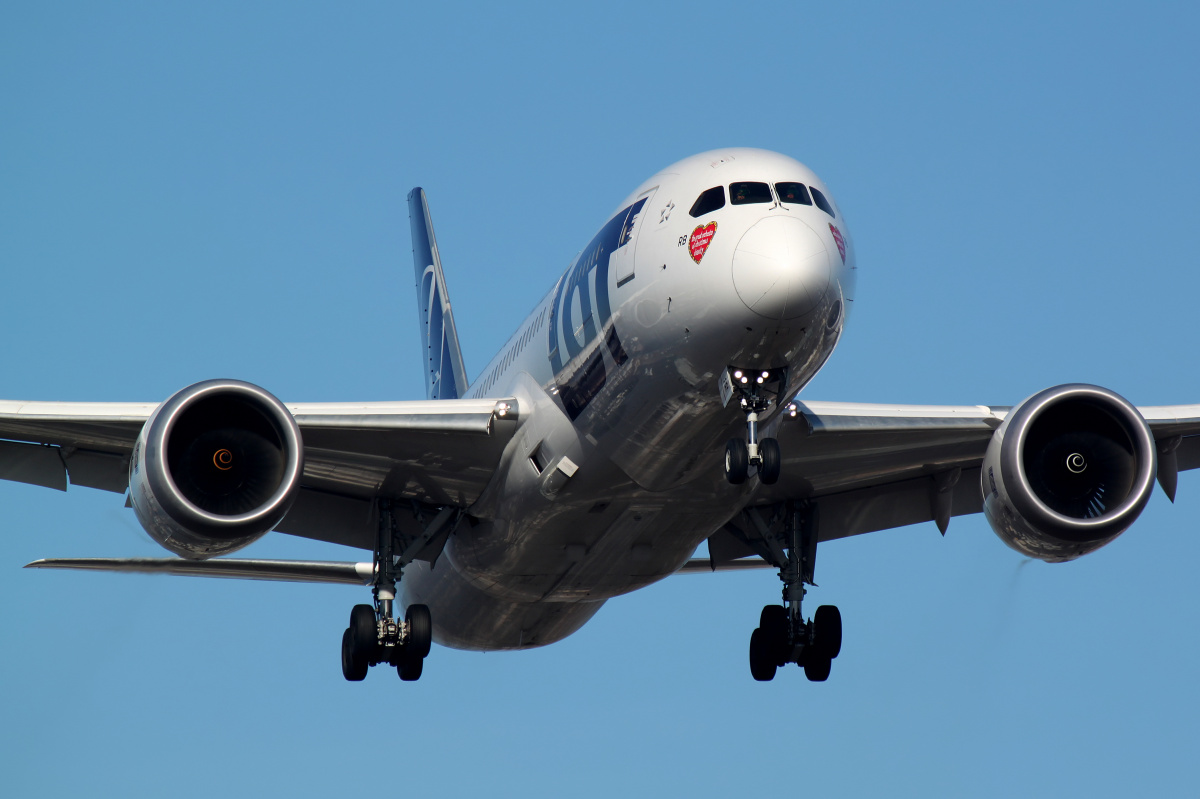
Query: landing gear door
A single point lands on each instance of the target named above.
(621, 261)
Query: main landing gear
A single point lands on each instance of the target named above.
(374, 636)
(783, 636)
(752, 389)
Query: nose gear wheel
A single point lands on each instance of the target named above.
(755, 392)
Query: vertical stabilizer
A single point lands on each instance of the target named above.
(445, 375)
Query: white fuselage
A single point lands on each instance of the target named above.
(614, 476)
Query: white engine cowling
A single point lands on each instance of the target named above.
(1069, 470)
(215, 467)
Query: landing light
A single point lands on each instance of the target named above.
(737, 373)
(765, 375)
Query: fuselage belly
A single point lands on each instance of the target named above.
(614, 477)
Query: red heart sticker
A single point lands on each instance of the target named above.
(701, 238)
(841, 242)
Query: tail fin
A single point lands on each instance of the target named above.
(445, 375)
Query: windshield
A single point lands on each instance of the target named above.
(709, 201)
(746, 193)
(793, 193)
(822, 203)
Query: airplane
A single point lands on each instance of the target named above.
(648, 404)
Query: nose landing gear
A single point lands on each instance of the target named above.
(755, 391)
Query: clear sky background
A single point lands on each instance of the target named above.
(220, 192)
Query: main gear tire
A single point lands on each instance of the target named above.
(772, 461)
(827, 638)
(354, 667)
(762, 665)
(364, 630)
(817, 667)
(420, 629)
(410, 667)
(773, 621)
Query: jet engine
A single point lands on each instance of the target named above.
(1069, 470)
(215, 467)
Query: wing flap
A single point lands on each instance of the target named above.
(335, 518)
(35, 464)
(699, 565)
(107, 471)
(882, 507)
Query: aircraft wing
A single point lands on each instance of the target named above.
(875, 467)
(436, 452)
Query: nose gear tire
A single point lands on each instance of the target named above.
(737, 461)
(772, 460)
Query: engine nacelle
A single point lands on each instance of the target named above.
(1069, 470)
(215, 467)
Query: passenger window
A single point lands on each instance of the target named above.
(709, 201)
(822, 203)
(745, 193)
(793, 194)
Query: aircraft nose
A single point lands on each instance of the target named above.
(781, 268)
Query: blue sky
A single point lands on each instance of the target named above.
(188, 193)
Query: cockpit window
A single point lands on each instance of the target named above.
(793, 194)
(822, 203)
(746, 193)
(709, 201)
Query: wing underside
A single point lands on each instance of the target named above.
(870, 467)
(875, 467)
(431, 452)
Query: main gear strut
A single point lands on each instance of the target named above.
(783, 636)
